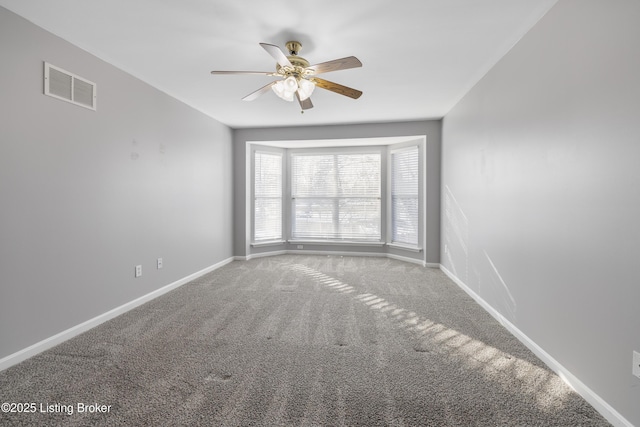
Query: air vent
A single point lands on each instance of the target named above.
(66, 86)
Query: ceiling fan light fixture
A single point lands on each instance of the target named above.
(279, 89)
(305, 89)
(290, 84)
(286, 88)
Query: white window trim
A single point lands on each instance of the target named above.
(336, 242)
(281, 239)
(422, 211)
(268, 243)
(381, 150)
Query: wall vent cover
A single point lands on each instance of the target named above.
(69, 87)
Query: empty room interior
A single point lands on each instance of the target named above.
(300, 213)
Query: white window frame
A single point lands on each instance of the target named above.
(395, 148)
(281, 239)
(379, 150)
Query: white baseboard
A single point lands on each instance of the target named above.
(600, 405)
(54, 340)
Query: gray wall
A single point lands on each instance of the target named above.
(540, 194)
(86, 195)
(430, 128)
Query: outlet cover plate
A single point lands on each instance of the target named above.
(159, 263)
(138, 270)
(636, 364)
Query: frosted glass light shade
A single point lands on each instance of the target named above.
(305, 89)
(286, 88)
(278, 88)
(290, 84)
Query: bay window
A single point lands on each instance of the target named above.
(359, 195)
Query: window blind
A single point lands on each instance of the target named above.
(405, 196)
(267, 196)
(336, 196)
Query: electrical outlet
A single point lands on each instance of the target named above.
(138, 270)
(159, 263)
(636, 364)
(300, 246)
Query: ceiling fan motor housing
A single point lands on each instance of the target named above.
(298, 62)
(293, 47)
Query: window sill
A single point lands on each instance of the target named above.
(335, 242)
(268, 243)
(405, 247)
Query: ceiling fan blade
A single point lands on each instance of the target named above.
(263, 73)
(335, 87)
(277, 54)
(306, 104)
(257, 93)
(336, 64)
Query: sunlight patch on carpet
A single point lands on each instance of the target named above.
(549, 390)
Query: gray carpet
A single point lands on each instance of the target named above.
(298, 341)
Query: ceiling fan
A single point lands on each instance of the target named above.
(298, 78)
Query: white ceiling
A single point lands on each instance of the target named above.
(419, 56)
